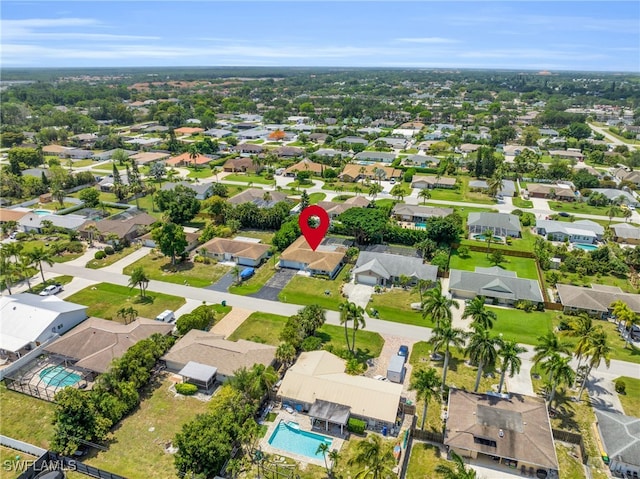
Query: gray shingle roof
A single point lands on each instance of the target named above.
(620, 436)
(497, 220)
(597, 298)
(582, 227)
(626, 231)
(422, 211)
(387, 265)
(495, 283)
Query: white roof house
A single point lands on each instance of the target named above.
(27, 320)
(583, 231)
(320, 376)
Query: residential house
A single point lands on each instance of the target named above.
(95, 343)
(567, 154)
(380, 156)
(204, 347)
(513, 431)
(583, 231)
(551, 191)
(336, 209)
(386, 269)
(244, 253)
(625, 233)
(508, 187)
(106, 184)
(467, 148)
(28, 320)
(421, 161)
(242, 164)
(34, 222)
(317, 384)
(288, 152)
(7, 215)
(188, 130)
(549, 132)
(262, 198)
(147, 157)
(55, 149)
(499, 224)
(202, 190)
(595, 301)
(431, 182)
(352, 140)
(142, 141)
(37, 172)
(185, 160)
(614, 195)
(126, 227)
(305, 165)
(247, 149)
(106, 155)
(193, 240)
(76, 154)
(218, 133)
(86, 140)
(353, 172)
(621, 442)
(395, 143)
(326, 260)
(504, 287)
(318, 137)
(418, 213)
(253, 133)
(329, 152)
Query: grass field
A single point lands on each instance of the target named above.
(265, 236)
(203, 172)
(137, 447)
(159, 267)
(105, 299)
(578, 207)
(587, 280)
(13, 462)
(110, 259)
(248, 178)
(631, 399)
(395, 305)
(266, 328)
(520, 203)
(26, 418)
(303, 290)
(521, 326)
(257, 281)
(570, 466)
(315, 197)
(423, 461)
(525, 267)
(146, 204)
(28, 246)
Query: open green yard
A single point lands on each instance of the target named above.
(138, 441)
(424, 459)
(248, 178)
(570, 466)
(263, 235)
(257, 281)
(28, 246)
(55, 206)
(344, 186)
(303, 290)
(395, 305)
(26, 418)
(525, 267)
(520, 203)
(315, 197)
(105, 299)
(203, 172)
(518, 325)
(109, 167)
(631, 399)
(110, 259)
(579, 207)
(158, 267)
(146, 204)
(13, 462)
(621, 282)
(266, 328)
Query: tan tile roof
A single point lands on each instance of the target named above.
(319, 260)
(237, 248)
(337, 208)
(523, 420)
(188, 130)
(11, 215)
(434, 180)
(121, 227)
(305, 165)
(147, 157)
(186, 159)
(353, 170)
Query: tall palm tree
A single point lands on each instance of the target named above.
(477, 311)
(421, 286)
(612, 211)
(444, 337)
(626, 214)
(323, 448)
(286, 353)
(427, 384)
(597, 351)
(236, 272)
(358, 322)
(374, 189)
(41, 255)
(140, 279)
(560, 372)
(425, 195)
(482, 350)
(581, 327)
(438, 306)
(375, 457)
(24, 266)
(509, 354)
(8, 269)
(345, 317)
(458, 472)
(334, 456)
(548, 345)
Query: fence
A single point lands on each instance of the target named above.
(506, 250)
(27, 358)
(431, 436)
(571, 438)
(51, 461)
(21, 446)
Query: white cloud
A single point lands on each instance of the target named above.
(430, 40)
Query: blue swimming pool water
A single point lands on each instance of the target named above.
(586, 247)
(290, 438)
(42, 212)
(483, 237)
(421, 225)
(58, 376)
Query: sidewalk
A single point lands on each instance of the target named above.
(231, 322)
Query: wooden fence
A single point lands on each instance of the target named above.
(571, 438)
(431, 436)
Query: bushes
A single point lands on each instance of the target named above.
(186, 389)
(100, 255)
(312, 343)
(109, 250)
(621, 386)
(75, 247)
(356, 426)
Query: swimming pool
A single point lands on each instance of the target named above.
(42, 212)
(289, 438)
(421, 225)
(484, 237)
(59, 377)
(586, 247)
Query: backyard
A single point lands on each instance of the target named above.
(105, 299)
(159, 267)
(518, 325)
(576, 279)
(323, 292)
(525, 267)
(249, 178)
(395, 305)
(631, 398)
(26, 418)
(424, 459)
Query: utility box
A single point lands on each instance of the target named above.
(396, 369)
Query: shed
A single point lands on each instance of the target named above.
(202, 375)
(396, 369)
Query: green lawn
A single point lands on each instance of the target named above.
(58, 279)
(395, 305)
(109, 167)
(248, 178)
(525, 267)
(26, 418)
(303, 290)
(265, 236)
(203, 172)
(110, 259)
(343, 186)
(520, 203)
(55, 206)
(316, 197)
(518, 325)
(137, 446)
(631, 399)
(105, 299)
(13, 462)
(423, 461)
(159, 267)
(28, 246)
(570, 466)
(586, 280)
(266, 328)
(579, 207)
(257, 281)
(146, 204)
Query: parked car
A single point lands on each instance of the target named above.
(403, 351)
(564, 214)
(51, 290)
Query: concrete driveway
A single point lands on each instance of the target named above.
(275, 284)
(359, 294)
(223, 283)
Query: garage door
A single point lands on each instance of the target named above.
(366, 279)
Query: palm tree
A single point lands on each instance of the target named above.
(612, 211)
(421, 286)
(358, 322)
(597, 351)
(139, 278)
(444, 337)
(380, 174)
(581, 327)
(560, 372)
(495, 184)
(548, 345)
(41, 255)
(323, 448)
(626, 214)
(286, 353)
(24, 265)
(374, 189)
(8, 268)
(425, 195)
(511, 362)
(438, 306)
(477, 311)
(236, 272)
(334, 455)
(459, 472)
(91, 230)
(427, 385)
(194, 153)
(482, 350)
(376, 458)
(345, 317)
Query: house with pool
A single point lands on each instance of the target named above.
(317, 386)
(499, 225)
(581, 232)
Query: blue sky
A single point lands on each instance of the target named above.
(594, 35)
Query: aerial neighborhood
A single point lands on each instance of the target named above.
(471, 311)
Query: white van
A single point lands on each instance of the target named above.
(166, 316)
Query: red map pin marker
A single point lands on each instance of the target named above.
(314, 236)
